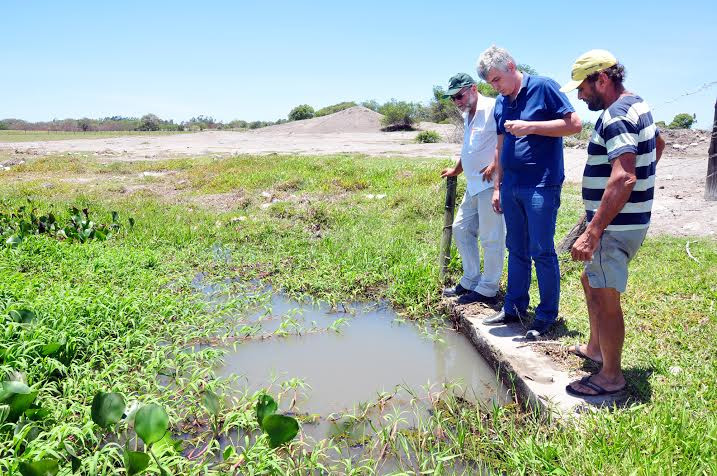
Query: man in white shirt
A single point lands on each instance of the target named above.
(476, 218)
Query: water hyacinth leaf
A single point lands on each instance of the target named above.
(11, 388)
(43, 467)
(13, 241)
(280, 429)
(265, 406)
(23, 316)
(135, 462)
(211, 402)
(51, 348)
(37, 413)
(107, 408)
(18, 397)
(151, 422)
(100, 235)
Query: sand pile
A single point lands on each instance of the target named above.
(353, 119)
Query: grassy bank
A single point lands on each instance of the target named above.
(337, 228)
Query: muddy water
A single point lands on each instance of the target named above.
(332, 363)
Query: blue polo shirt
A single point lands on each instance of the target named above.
(532, 160)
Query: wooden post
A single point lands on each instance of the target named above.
(711, 182)
(451, 183)
(566, 244)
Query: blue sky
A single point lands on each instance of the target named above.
(256, 60)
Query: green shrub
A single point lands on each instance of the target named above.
(303, 111)
(399, 115)
(149, 122)
(371, 104)
(486, 89)
(325, 111)
(682, 121)
(661, 125)
(428, 137)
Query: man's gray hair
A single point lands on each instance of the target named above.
(493, 57)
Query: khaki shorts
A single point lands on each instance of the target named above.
(608, 268)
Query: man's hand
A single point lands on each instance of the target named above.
(519, 128)
(495, 201)
(488, 172)
(585, 246)
(450, 172)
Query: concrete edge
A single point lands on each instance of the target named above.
(537, 380)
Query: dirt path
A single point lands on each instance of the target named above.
(679, 207)
(228, 142)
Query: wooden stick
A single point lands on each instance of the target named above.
(451, 183)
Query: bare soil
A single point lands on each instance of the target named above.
(679, 207)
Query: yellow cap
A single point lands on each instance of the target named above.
(587, 64)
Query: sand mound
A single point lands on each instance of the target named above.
(353, 119)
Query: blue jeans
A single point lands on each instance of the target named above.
(530, 214)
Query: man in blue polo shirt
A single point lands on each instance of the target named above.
(532, 116)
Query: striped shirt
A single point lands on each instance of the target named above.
(624, 127)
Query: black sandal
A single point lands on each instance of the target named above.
(593, 386)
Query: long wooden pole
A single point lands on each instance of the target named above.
(711, 182)
(451, 183)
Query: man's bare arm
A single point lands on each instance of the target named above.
(497, 176)
(617, 192)
(453, 171)
(659, 147)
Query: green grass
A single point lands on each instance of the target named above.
(33, 136)
(127, 307)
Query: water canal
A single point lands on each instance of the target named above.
(347, 369)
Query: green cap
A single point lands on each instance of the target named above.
(458, 82)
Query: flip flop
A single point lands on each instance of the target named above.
(575, 350)
(593, 386)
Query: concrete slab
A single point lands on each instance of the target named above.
(538, 381)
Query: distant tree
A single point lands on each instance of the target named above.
(486, 89)
(325, 111)
(399, 115)
(442, 109)
(301, 112)
(238, 124)
(526, 68)
(3, 126)
(84, 124)
(682, 121)
(149, 122)
(371, 104)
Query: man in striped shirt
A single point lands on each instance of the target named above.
(618, 188)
